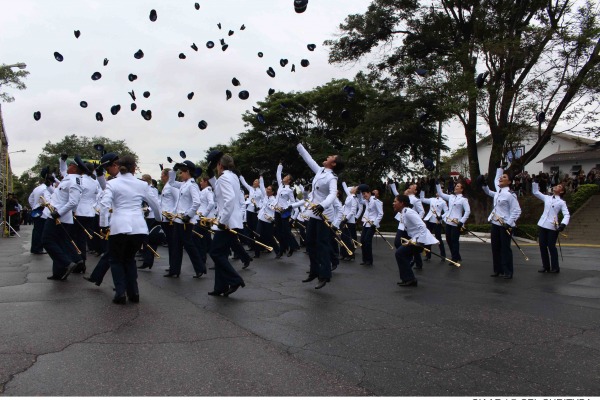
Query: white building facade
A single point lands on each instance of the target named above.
(546, 160)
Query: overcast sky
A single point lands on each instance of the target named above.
(32, 30)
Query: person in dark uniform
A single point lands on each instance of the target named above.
(317, 233)
(108, 162)
(418, 236)
(549, 227)
(503, 217)
(187, 204)
(229, 217)
(58, 230)
(124, 196)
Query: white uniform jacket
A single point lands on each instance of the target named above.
(458, 207)
(267, 205)
(66, 197)
(90, 188)
(324, 184)
(416, 228)
(255, 196)
(350, 209)
(168, 199)
(208, 207)
(285, 195)
(373, 212)
(124, 196)
(189, 197)
(552, 206)
(227, 196)
(506, 206)
(34, 197)
(437, 208)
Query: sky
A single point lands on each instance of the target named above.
(32, 30)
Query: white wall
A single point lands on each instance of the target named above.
(557, 143)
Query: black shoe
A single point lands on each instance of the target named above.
(235, 258)
(413, 282)
(289, 253)
(170, 275)
(554, 271)
(215, 293)
(321, 284)
(90, 280)
(70, 269)
(309, 279)
(79, 268)
(144, 266)
(135, 298)
(120, 300)
(428, 259)
(256, 255)
(211, 267)
(232, 289)
(38, 252)
(418, 267)
(54, 278)
(366, 263)
(543, 270)
(495, 275)
(334, 267)
(507, 276)
(246, 264)
(278, 255)
(198, 276)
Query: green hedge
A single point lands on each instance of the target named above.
(583, 193)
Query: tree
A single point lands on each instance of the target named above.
(533, 56)
(11, 77)
(375, 132)
(72, 145)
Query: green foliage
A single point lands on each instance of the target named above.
(72, 145)
(583, 193)
(11, 77)
(374, 122)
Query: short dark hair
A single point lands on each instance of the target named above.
(226, 162)
(402, 198)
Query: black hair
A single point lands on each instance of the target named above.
(126, 164)
(402, 198)
(339, 165)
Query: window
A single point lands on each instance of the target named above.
(575, 169)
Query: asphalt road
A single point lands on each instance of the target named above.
(459, 333)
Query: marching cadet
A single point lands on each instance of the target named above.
(207, 209)
(283, 210)
(58, 229)
(324, 192)
(254, 199)
(152, 240)
(437, 209)
(371, 220)
(503, 217)
(266, 216)
(108, 163)
(229, 218)
(419, 237)
(349, 213)
(334, 214)
(37, 211)
(124, 196)
(168, 200)
(85, 213)
(185, 209)
(549, 227)
(457, 215)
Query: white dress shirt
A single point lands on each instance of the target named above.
(324, 184)
(552, 206)
(228, 200)
(458, 207)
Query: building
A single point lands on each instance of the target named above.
(564, 152)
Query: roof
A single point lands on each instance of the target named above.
(563, 135)
(573, 155)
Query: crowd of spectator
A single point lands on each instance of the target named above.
(521, 185)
